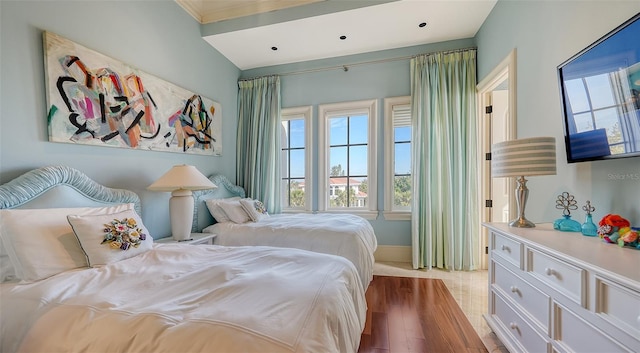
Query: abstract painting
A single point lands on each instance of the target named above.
(96, 100)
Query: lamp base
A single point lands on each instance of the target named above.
(522, 223)
(181, 210)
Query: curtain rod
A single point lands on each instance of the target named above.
(346, 66)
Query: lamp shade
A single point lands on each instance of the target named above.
(182, 177)
(524, 157)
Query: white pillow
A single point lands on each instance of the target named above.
(216, 211)
(254, 208)
(111, 237)
(235, 211)
(40, 242)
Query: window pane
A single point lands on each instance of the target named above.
(600, 91)
(402, 158)
(297, 193)
(583, 122)
(297, 133)
(284, 134)
(284, 191)
(402, 192)
(297, 163)
(337, 161)
(577, 95)
(358, 129)
(338, 131)
(402, 133)
(358, 160)
(284, 163)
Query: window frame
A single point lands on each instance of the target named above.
(294, 113)
(325, 113)
(389, 160)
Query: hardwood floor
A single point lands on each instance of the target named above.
(415, 315)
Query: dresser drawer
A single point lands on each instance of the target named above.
(517, 327)
(576, 335)
(532, 300)
(507, 248)
(618, 305)
(566, 278)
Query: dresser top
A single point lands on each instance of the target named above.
(588, 251)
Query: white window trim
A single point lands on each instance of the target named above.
(370, 107)
(307, 112)
(389, 161)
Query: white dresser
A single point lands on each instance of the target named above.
(552, 291)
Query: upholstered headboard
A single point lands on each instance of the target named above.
(61, 186)
(225, 189)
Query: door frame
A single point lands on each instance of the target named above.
(506, 69)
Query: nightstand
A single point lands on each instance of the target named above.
(196, 239)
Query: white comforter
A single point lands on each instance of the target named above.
(185, 298)
(345, 235)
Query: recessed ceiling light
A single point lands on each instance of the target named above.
(343, 37)
(423, 24)
(274, 48)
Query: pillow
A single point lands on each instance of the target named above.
(7, 271)
(235, 211)
(112, 237)
(254, 208)
(40, 243)
(217, 212)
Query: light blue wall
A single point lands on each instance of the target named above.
(370, 81)
(158, 37)
(545, 34)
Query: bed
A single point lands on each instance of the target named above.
(346, 235)
(162, 297)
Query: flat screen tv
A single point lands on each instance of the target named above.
(600, 95)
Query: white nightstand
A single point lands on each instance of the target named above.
(196, 239)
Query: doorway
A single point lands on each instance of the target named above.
(497, 114)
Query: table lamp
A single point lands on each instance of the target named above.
(519, 158)
(181, 180)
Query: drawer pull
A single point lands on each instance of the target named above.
(549, 271)
(505, 248)
(514, 289)
(513, 326)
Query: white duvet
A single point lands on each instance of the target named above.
(345, 235)
(185, 298)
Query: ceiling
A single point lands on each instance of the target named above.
(247, 31)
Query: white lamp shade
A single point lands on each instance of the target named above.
(524, 157)
(182, 177)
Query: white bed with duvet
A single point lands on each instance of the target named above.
(69, 291)
(237, 222)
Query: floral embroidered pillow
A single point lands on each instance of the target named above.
(111, 237)
(255, 209)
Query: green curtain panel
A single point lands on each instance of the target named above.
(445, 225)
(258, 142)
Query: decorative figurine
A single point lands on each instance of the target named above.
(588, 227)
(567, 202)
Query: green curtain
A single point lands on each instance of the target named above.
(445, 225)
(258, 140)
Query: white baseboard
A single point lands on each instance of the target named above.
(393, 253)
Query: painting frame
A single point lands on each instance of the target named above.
(93, 99)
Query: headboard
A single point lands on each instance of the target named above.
(225, 189)
(61, 186)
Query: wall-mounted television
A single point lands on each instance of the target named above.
(600, 96)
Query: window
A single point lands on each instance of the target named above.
(397, 169)
(347, 158)
(295, 158)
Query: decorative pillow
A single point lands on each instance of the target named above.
(111, 237)
(40, 243)
(216, 211)
(254, 208)
(235, 211)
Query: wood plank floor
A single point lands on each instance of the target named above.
(415, 315)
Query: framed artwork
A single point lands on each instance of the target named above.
(96, 100)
